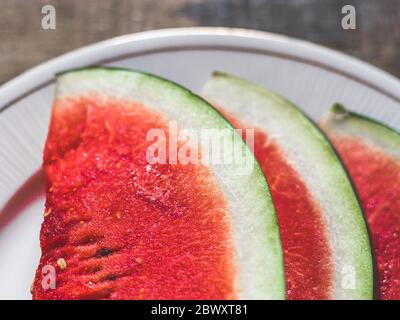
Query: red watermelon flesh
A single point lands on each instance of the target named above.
(127, 229)
(307, 254)
(376, 176)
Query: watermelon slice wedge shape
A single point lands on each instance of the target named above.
(117, 227)
(371, 153)
(324, 237)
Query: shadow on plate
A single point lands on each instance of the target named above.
(29, 192)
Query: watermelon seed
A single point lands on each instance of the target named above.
(104, 252)
(61, 263)
(47, 212)
(110, 277)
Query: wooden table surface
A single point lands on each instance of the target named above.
(23, 42)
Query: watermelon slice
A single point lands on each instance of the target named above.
(118, 227)
(326, 246)
(371, 153)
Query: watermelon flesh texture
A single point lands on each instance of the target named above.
(127, 229)
(376, 176)
(314, 252)
(307, 254)
(117, 227)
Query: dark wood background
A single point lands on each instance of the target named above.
(23, 43)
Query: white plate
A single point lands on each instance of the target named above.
(311, 76)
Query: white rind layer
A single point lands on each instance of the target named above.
(312, 157)
(254, 225)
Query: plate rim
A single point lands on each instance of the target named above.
(234, 39)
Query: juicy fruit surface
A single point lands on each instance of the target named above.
(306, 248)
(307, 254)
(127, 229)
(377, 179)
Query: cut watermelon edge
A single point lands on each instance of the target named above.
(376, 133)
(254, 224)
(347, 228)
(378, 136)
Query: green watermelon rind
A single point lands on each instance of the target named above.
(313, 157)
(373, 132)
(253, 220)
